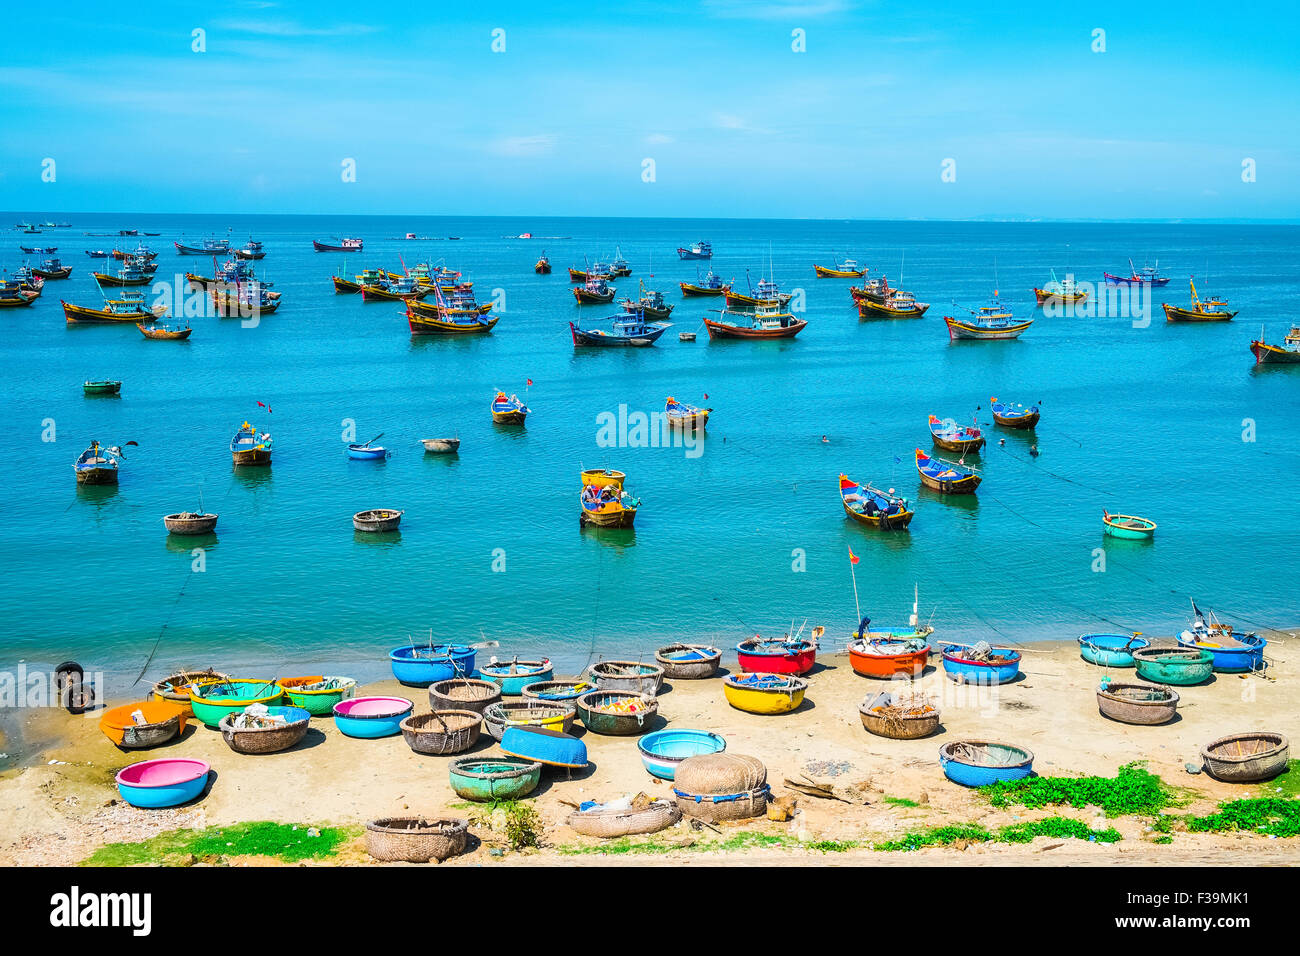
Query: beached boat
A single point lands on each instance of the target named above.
(950, 436)
(442, 732)
(978, 763)
(190, 522)
(144, 724)
(899, 716)
(696, 250)
(888, 653)
(980, 663)
(990, 322)
(868, 505)
(162, 332)
(548, 715)
(773, 655)
(765, 322)
(624, 817)
(98, 465)
(1142, 704)
(1057, 291)
(688, 661)
(278, 728)
(553, 690)
(1111, 650)
(710, 284)
(508, 410)
(416, 839)
(542, 266)
(213, 700)
(547, 746)
(1147, 275)
(624, 330)
(251, 250)
(893, 305)
(52, 269)
(682, 415)
(607, 506)
(166, 782)
(208, 247)
(377, 520)
(1288, 353)
(1234, 652)
(178, 688)
(617, 713)
(318, 693)
(492, 779)
(1246, 758)
(514, 675)
(950, 478)
(463, 693)
(759, 693)
(249, 447)
(441, 446)
(847, 269)
(594, 291)
(370, 718)
(651, 305)
(1131, 527)
(662, 751)
(1013, 414)
(420, 665)
(1212, 309)
(339, 245)
(633, 676)
(1181, 666)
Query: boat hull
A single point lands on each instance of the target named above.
(346, 285)
(1231, 659)
(826, 273)
(1183, 667)
(251, 456)
(869, 309)
(963, 483)
(1128, 527)
(1110, 650)
(1065, 298)
(513, 417)
(662, 751)
(1174, 314)
(910, 663)
(958, 329)
(1266, 354)
(754, 701)
(963, 670)
(722, 330)
(977, 775)
(149, 333)
(1017, 421)
(690, 290)
(797, 662)
(96, 476)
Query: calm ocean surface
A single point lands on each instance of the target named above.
(1148, 421)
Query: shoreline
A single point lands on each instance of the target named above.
(333, 780)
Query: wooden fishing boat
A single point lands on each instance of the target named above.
(1142, 704)
(664, 750)
(848, 269)
(688, 661)
(98, 465)
(1181, 666)
(442, 732)
(980, 664)
(950, 478)
(1013, 414)
(624, 330)
(166, 782)
(624, 817)
(633, 676)
(871, 506)
(1212, 309)
(989, 322)
(696, 250)
(214, 700)
(766, 322)
(686, 336)
(514, 675)
(873, 290)
(708, 285)
(251, 250)
(190, 522)
(209, 247)
(759, 693)
(97, 253)
(777, 655)
(886, 654)
(441, 446)
(1234, 652)
(416, 839)
(1067, 292)
(549, 747)
(377, 520)
(1246, 758)
(894, 305)
(557, 716)
(1111, 650)
(542, 266)
(52, 269)
(401, 289)
(101, 388)
(249, 447)
(617, 713)
(126, 276)
(13, 295)
(766, 294)
(682, 415)
(345, 286)
(491, 779)
(978, 763)
(651, 305)
(508, 410)
(341, 245)
(950, 436)
(1131, 527)
(594, 291)
(607, 506)
(1147, 275)
(1288, 353)
(144, 724)
(126, 307)
(370, 718)
(155, 331)
(280, 728)
(423, 319)
(899, 716)
(618, 267)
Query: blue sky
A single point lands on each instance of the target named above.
(736, 122)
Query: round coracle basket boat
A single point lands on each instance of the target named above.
(688, 661)
(899, 717)
(977, 763)
(416, 839)
(627, 675)
(561, 690)
(514, 675)
(724, 772)
(190, 522)
(1146, 704)
(463, 693)
(617, 713)
(760, 693)
(377, 519)
(318, 694)
(1181, 666)
(663, 751)
(485, 779)
(1246, 758)
(176, 688)
(442, 732)
(212, 701)
(280, 729)
(624, 818)
(528, 713)
(1111, 650)
(158, 721)
(720, 807)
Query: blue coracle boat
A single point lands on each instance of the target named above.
(663, 750)
(513, 676)
(1001, 666)
(1234, 652)
(978, 763)
(1111, 650)
(550, 747)
(420, 665)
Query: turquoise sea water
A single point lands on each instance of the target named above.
(1144, 420)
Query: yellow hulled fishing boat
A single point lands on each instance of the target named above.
(127, 307)
(848, 269)
(1212, 309)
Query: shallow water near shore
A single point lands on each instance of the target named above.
(744, 538)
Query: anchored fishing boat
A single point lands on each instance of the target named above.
(127, 307)
(846, 269)
(1147, 275)
(52, 268)
(770, 655)
(1057, 291)
(681, 415)
(950, 478)
(249, 447)
(508, 410)
(607, 506)
(339, 245)
(594, 291)
(543, 265)
(1288, 353)
(950, 436)
(710, 284)
(992, 321)
(246, 297)
(101, 388)
(651, 305)
(624, 330)
(765, 322)
(764, 693)
(893, 304)
(345, 286)
(13, 295)
(155, 331)
(871, 506)
(696, 250)
(873, 290)
(1013, 414)
(251, 250)
(208, 247)
(130, 274)
(441, 446)
(98, 465)
(766, 294)
(1212, 309)
(456, 313)
(399, 289)
(619, 266)
(1128, 526)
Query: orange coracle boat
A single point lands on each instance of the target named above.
(890, 653)
(159, 721)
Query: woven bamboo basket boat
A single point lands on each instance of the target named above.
(318, 703)
(442, 732)
(189, 522)
(906, 718)
(719, 807)
(557, 690)
(528, 713)
(163, 720)
(688, 661)
(1246, 758)
(266, 740)
(627, 675)
(608, 823)
(617, 713)
(722, 772)
(167, 688)
(416, 839)
(1137, 703)
(463, 693)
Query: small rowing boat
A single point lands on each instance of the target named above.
(1288, 353)
(98, 465)
(607, 506)
(681, 415)
(871, 506)
(249, 447)
(980, 664)
(1128, 526)
(888, 653)
(508, 410)
(377, 520)
(950, 478)
(1013, 414)
(368, 452)
(1212, 309)
(441, 446)
(950, 436)
(156, 331)
(771, 655)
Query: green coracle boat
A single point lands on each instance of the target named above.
(486, 779)
(213, 701)
(1181, 666)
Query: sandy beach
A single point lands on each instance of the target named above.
(62, 805)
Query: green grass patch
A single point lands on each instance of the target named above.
(280, 841)
(1055, 827)
(938, 836)
(1271, 816)
(900, 802)
(625, 846)
(1134, 790)
(833, 846)
(1285, 784)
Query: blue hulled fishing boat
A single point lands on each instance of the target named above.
(624, 330)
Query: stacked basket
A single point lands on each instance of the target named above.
(721, 786)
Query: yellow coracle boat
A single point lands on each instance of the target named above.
(764, 693)
(603, 476)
